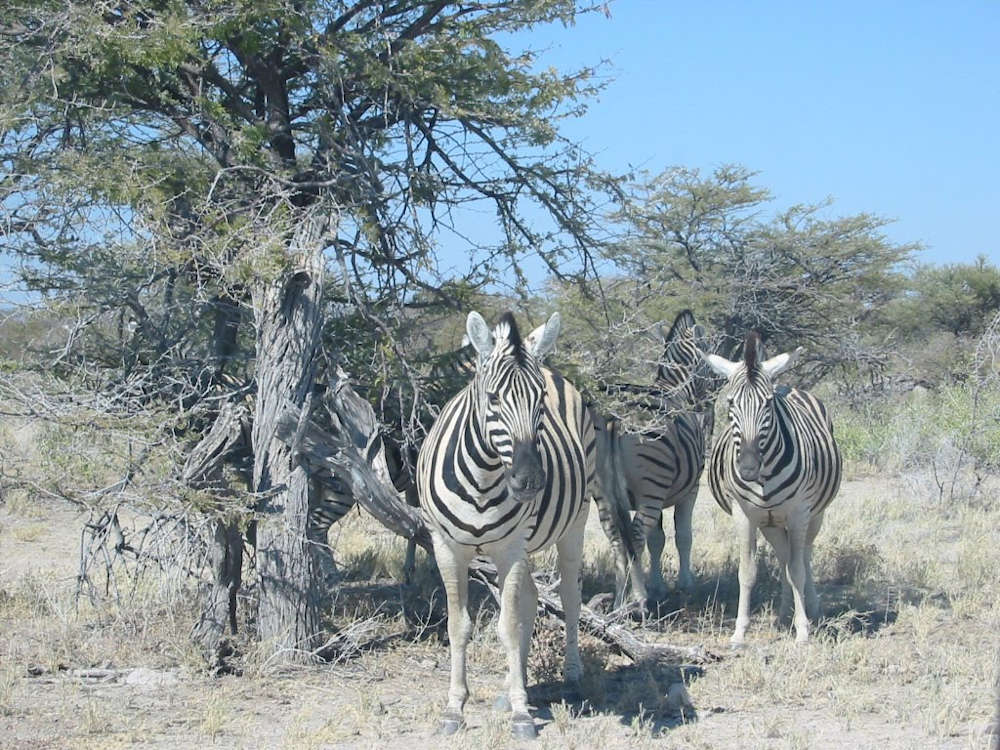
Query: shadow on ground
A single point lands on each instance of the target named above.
(649, 696)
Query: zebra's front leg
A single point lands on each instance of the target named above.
(453, 564)
(777, 537)
(683, 513)
(518, 605)
(812, 600)
(797, 577)
(746, 536)
(570, 549)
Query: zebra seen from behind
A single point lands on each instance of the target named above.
(685, 375)
(776, 467)
(504, 472)
(663, 465)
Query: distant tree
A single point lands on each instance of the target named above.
(199, 184)
(960, 298)
(706, 243)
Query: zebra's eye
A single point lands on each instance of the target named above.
(493, 398)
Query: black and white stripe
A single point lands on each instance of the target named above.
(776, 467)
(505, 471)
(466, 460)
(663, 465)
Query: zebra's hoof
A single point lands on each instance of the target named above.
(502, 703)
(451, 722)
(523, 727)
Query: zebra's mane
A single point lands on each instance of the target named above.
(682, 324)
(750, 350)
(507, 329)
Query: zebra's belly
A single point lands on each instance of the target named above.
(463, 522)
(536, 525)
(781, 509)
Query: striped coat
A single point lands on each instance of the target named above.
(775, 467)
(465, 495)
(662, 466)
(506, 471)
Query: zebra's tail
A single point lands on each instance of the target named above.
(611, 497)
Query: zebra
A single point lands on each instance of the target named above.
(504, 472)
(684, 373)
(775, 466)
(663, 465)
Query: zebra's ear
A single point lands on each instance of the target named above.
(479, 334)
(721, 365)
(777, 365)
(542, 340)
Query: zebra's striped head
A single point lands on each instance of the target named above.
(682, 369)
(510, 396)
(751, 401)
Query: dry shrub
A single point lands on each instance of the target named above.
(545, 659)
(845, 564)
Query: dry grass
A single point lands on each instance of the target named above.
(905, 655)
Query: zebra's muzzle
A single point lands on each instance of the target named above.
(525, 478)
(749, 465)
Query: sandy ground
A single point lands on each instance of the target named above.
(58, 691)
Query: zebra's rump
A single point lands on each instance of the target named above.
(664, 467)
(806, 467)
(463, 490)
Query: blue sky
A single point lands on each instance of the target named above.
(891, 108)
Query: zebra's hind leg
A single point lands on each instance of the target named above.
(746, 536)
(453, 565)
(570, 562)
(647, 529)
(683, 512)
(410, 562)
(518, 605)
(656, 540)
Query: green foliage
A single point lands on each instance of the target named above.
(960, 298)
(708, 243)
(949, 433)
(864, 434)
(165, 154)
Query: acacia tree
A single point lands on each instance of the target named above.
(706, 242)
(185, 174)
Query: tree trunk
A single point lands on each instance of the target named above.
(289, 323)
(219, 604)
(204, 469)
